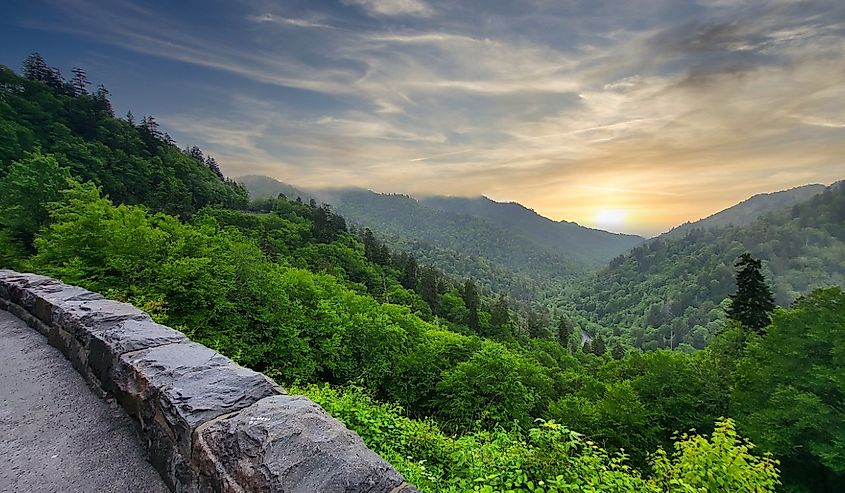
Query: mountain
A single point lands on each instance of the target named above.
(505, 246)
(749, 210)
(669, 291)
(567, 239)
(264, 187)
(460, 244)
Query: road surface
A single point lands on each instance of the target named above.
(56, 435)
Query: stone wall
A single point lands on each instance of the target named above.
(207, 423)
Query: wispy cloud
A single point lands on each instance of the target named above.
(662, 108)
(288, 21)
(393, 7)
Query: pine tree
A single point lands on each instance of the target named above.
(35, 68)
(101, 98)
(195, 153)
(472, 302)
(79, 82)
(618, 352)
(500, 317)
(213, 166)
(597, 346)
(130, 118)
(565, 329)
(410, 271)
(753, 303)
(430, 289)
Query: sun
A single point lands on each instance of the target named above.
(610, 218)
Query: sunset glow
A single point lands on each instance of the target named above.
(684, 107)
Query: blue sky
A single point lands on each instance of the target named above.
(628, 115)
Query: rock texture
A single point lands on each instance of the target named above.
(208, 424)
(288, 443)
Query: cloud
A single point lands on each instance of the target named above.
(393, 7)
(288, 21)
(666, 111)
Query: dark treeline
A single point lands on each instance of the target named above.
(434, 373)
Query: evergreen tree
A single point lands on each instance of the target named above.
(618, 352)
(35, 68)
(195, 153)
(79, 82)
(598, 346)
(429, 289)
(101, 98)
(536, 324)
(753, 303)
(565, 329)
(410, 271)
(500, 317)
(130, 118)
(213, 166)
(472, 302)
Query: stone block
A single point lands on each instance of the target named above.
(289, 444)
(106, 346)
(15, 286)
(74, 322)
(174, 388)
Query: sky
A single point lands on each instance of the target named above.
(632, 116)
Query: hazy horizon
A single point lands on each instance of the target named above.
(631, 117)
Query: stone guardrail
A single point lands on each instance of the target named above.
(207, 423)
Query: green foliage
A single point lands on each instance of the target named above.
(670, 290)
(752, 304)
(722, 463)
(133, 164)
(285, 287)
(790, 386)
(26, 189)
(548, 457)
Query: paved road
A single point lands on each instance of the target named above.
(55, 434)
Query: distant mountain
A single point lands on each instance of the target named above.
(506, 246)
(748, 211)
(460, 244)
(263, 187)
(564, 238)
(669, 290)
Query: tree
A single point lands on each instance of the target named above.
(430, 288)
(500, 318)
(213, 166)
(472, 302)
(753, 303)
(79, 82)
(101, 98)
(196, 154)
(598, 346)
(26, 190)
(618, 352)
(790, 386)
(35, 68)
(410, 271)
(565, 329)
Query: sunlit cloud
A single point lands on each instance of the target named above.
(664, 110)
(393, 7)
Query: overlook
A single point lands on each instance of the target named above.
(398, 246)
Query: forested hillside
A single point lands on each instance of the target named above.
(463, 245)
(749, 210)
(264, 187)
(668, 292)
(446, 380)
(567, 239)
(505, 246)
